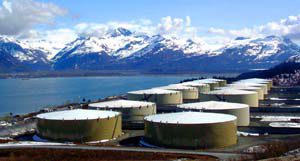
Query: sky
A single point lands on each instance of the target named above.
(210, 21)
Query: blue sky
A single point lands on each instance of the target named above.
(209, 21)
(230, 14)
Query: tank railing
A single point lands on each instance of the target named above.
(114, 131)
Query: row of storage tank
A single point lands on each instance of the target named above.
(208, 113)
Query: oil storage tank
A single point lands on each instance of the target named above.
(241, 111)
(132, 111)
(79, 125)
(191, 130)
(259, 90)
(231, 95)
(202, 87)
(212, 84)
(222, 82)
(269, 82)
(161, 97)
(264, 87)
(188, 93)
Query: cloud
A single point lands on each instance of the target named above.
(167, 26)
(188, 21)
(289, 27)
(90, 29)
(179, 27)
(17, 16)
(175, 26)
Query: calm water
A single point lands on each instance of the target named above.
(22, 96)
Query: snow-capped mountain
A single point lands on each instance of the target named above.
(257, 53)
(270, 48)
(49, 48)
(294, 59)
(19, 56)
(122, 49)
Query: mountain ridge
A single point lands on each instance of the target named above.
(122, 49)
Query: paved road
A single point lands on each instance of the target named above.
(220, 155)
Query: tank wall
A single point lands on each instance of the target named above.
(203, 89)
(271, 84)
(260, 92)
(249, 99)
(222, 83)
(189, 136)
(159, 99)
(242, 114)
(80, 130)
(190, 94)
(136, 114)
(261, 95)
(265, 89)
(214, 85)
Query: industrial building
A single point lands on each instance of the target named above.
(188, 93)
(259, 90)
(79, 125)
(132, 111)
(191, 130)
(161, 97)
(202, 87)
(231, 95)
(241, 111)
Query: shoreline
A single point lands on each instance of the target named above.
(71, 74)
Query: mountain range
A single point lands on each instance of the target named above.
(122, 49)
(281, 74)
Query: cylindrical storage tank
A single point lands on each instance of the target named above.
(259, 90)
(188, 93)
(161, 97)
(79, 125)
(191, 130)
(222, 82)
(267, 82)
(260, 80)
(202, 87)
(212, 84)
(264, 87)
(241, 111)
(132, 111)
(231, 95)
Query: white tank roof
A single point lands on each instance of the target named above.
(230, 92)
(190, 118)
(251, 84)
(213, 105)
(257, 80)
(77, 114)
(205, 81)
(254, 81)
(242, 87)
(176, 87)
(154, 91)
(213, 79)
(121, 104)
(194, 84)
